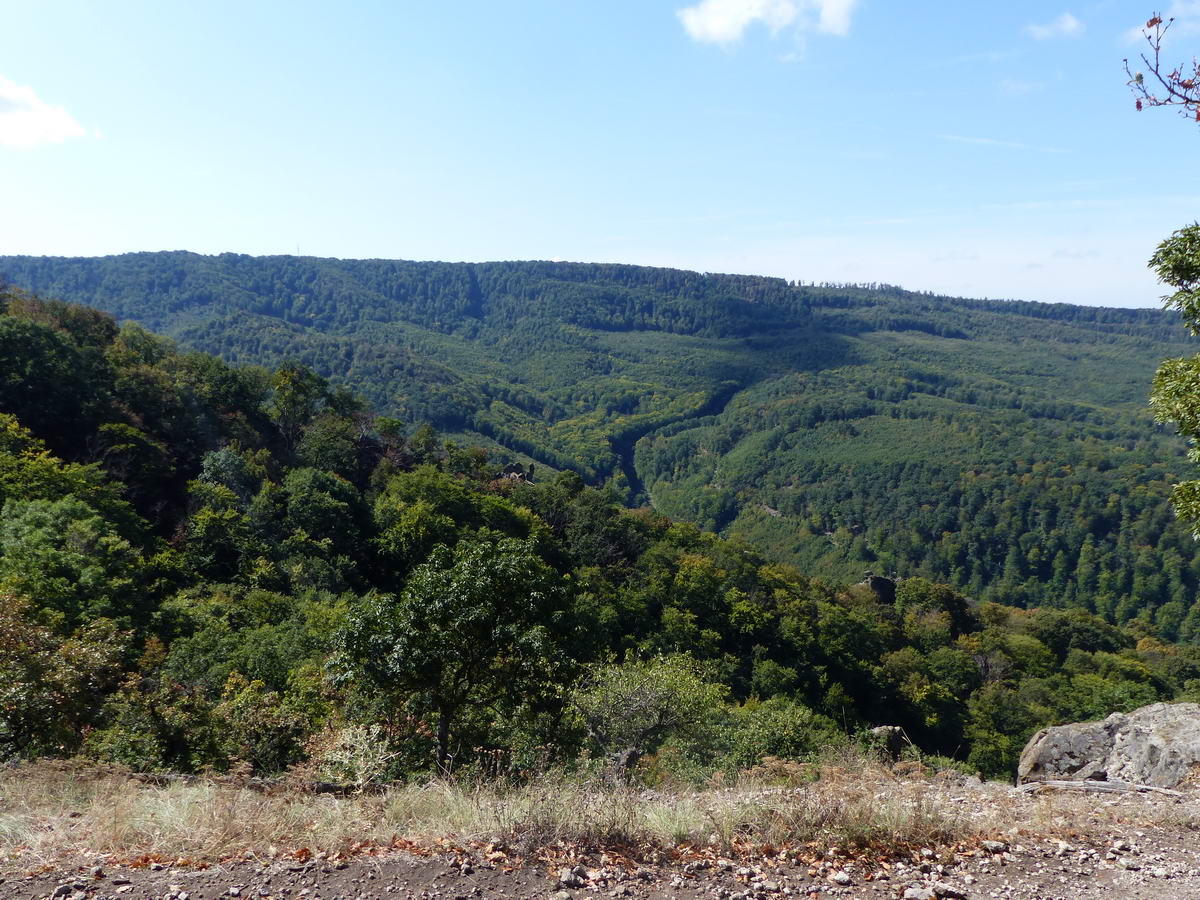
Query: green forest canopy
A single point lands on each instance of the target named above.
(203, 565)
(1002, 447)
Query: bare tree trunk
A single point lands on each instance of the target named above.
(621, 763)
(443, 741)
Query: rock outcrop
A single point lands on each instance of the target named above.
(1156, 745)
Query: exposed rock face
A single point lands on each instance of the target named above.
(883, 588)
(1157, 745)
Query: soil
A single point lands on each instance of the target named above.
(1158, 863)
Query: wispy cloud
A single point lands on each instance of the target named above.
(1065, 25)
(26, 121)
(991, 56)
(995, 142)
(1016, 88)
(726, 21)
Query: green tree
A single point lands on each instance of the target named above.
(44, 380)
(473, 628)
(69, 561)
(631, 709)
(1176, 262)
(298, 394)
(1176, 396)
(50, 686)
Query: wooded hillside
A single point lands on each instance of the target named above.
(1003, 447)
(204, 565)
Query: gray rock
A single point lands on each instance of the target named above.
(1156, 745)
(571, 878)
(891, 739)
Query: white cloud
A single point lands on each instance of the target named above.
(26, 121)
(725, 21)
(994, 142)
(1065, 25)
(834, 16)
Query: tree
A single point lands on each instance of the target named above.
(70, 562)
(1176, 395)
(630, 709)
(44, 380)
(1176, 261)
(1179, 86)
(473, 628)
(50, 686)
(298, 393)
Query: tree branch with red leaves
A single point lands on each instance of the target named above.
(1179, 87)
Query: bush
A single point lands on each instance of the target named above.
(629, 710)
(356, 755)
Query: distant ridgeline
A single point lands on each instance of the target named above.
(1003, 447)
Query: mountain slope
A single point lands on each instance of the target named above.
(1003, 446)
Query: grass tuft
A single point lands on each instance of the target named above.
(51, 812)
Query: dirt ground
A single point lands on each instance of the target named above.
(1049, 844)
(1158, 863)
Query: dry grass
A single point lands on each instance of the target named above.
(52, 812)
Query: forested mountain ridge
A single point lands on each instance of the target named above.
(212, 566)
(1002, 446)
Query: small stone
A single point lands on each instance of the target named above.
(561, 895)
(63, 890)
(840, 878)
(919, 893)
(571, 878)
(941, 889)
(994, 846)
(771, 887)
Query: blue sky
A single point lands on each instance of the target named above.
(986, 149)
